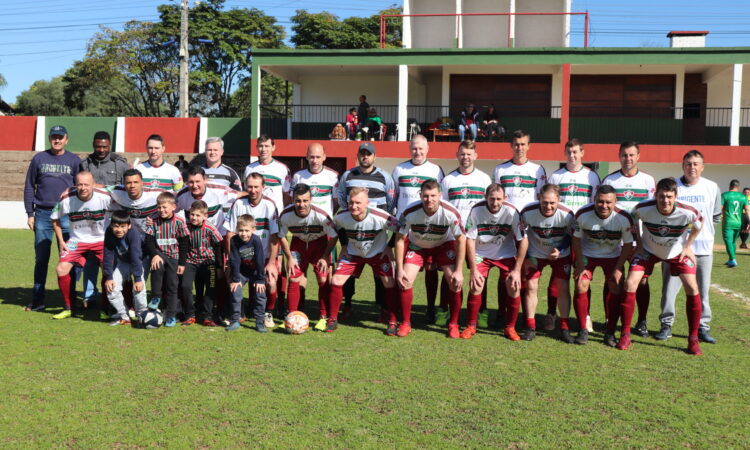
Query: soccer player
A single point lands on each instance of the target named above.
(157, 173)
(435, 233)
(123, 261)
(263, 210)
(408, 178)
(313, 239)
(215, 196)
(705, 196)
(86, 208)
(367, 231)
(323, 181)
(218, 173)
(549, 226)
(494, 238)
(735, 212)
(276, 177)
(603, 238)
(668, 230)
(633, 186)
(247, 260)
(745, 230)
(136, 199)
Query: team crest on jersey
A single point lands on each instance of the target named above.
(494, 229)
(451, 255)
(414, 181)
(360, 235)
(601, 234)
(314, 190)
(427, 229)
(663, 231)
(572, 188)
(465, 192)
(516, 181)
(628, 195)
(154, 183)
(547, 232)
(86, 215)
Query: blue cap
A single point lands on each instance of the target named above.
(369, 146)
(58, 130)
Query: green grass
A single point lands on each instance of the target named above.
(80, 383)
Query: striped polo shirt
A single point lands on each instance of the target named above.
(167, 232)
(203, 240)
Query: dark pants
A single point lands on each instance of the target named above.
(259, 303)
(165, 280)
(204, 277)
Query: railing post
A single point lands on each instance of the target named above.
(565, 104)
(734, 127)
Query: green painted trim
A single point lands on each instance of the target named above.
(234, 131)
(81, 131)
(255, 99)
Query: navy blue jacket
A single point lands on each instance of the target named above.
(126, 249)
(247, 258)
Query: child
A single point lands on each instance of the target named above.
(247, 263)
(352, 122)
(167, 243)
(123, 259)
(205, 250)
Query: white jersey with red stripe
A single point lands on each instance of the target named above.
(576, 188)
(602, 238)
(323, 186)
(266, 219)
(165, 177)
(631, 190)
(409, 177)
(88, 219)
(665, 236)
(309, 228)
(547, 233)
(277, 180)
(495, 233)
(215, 197)
(139, 209)
(368, 237)
(522, 182)
(463, 191)
(430, 231)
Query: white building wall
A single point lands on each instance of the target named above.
(540, 31)
(345, 91)
(485, 31)
(433, 32)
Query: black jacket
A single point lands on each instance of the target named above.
(107, 171)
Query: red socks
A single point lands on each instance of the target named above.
(531, 323)
(473, 303)
(564, 323)
(293, 296)
(406, 299)
(643, 297)
(694, 310)
(335, 295)
(64, 283)
(455, 307)
(323, 290)
(431, 286)
(513, 305)
(552, 297)
(627, 307)
(581, 306)
(271, 303)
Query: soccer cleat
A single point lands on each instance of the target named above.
(171, 322)
(132, 314)
(664, 334)
(705, 336)
(549, 322)
(566, 337)
(641, 329)
(154, 303)
(528, 334)
(511, 334)
(430, 319)
(624, 342)
(188, 321)
(483, 320)
(732, 264)
(583, 337)
(209, 323)
(468, 332)
(609, 340)
(332, 325)
(114, 323)
(37, 308)
(391, 330)
(322, 324)
(233, 326)
(589, 324)
(268, 321)
(260, 327)
(694, 347)
(403, 330)
(243, 319)
(63, 315)
(453, 331)
(441, 318)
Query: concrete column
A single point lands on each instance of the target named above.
(734, 127)
(512, 27)
(202, 134)
(403, 100)
(459, 25)
(679, 94)
(566, 24)
(40, 138)
(120, 135)
(406, 30)
(255, 102)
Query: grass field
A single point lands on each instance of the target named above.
(80, 383)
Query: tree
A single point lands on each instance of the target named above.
(325, 31)
(42, 98)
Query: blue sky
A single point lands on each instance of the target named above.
(41, 39)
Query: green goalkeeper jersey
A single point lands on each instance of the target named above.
(733, 203)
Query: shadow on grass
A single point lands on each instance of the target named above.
(53, 303)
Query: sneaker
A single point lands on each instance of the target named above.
(566, 337)
(234, 326)
(260, 327)
(641, 329)
(511, 334)
(104, 316)
(549, 322)
(189, 321)
(38, 308)
(609, 340)
(583, 337)
(403, 330)
(693, 347)
(209, 323)
(132, 314)
(322, 324)
(441, 318)
(743, 246)
(483, 320)
(332, 325)
(243, 319)
(154, 303)
(705, 336)
(453, 331)
(430, 319)
(528, 334)
(114, 323)
(468, 332)
(171, 322)
(589, 324)
(732, 264)
(346, 312)
(268, 321)
(391, 330)
(63, 315)
(624, 342)
(664, 334)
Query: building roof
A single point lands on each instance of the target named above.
(687, 33)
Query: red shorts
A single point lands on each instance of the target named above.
(560, 268)
(353, 265)
(607, 264)
(505, 265)
(644, 262)
(442, 255)
(307, 253)
(78, 251)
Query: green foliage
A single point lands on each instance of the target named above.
(324, 30)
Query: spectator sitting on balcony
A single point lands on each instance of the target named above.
(491, 125)
(469, 120)
(372, 125)
(352, 122)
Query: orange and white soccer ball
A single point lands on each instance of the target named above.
(296, 322)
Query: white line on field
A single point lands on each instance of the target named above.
(735, 294)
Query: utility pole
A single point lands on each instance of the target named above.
(184, 58)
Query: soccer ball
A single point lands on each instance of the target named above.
(296, 322)
(151, 319)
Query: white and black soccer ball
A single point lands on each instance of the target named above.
(151, 319)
